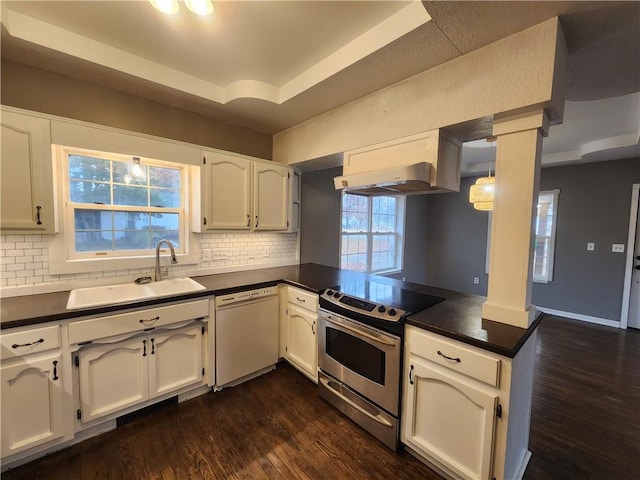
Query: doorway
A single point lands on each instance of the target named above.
(631, 298)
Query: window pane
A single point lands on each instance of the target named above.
(165, 198)
(172, 235)
(131, 221)
(89, 192)
(164, 177)
(132, 240)
(88, 168)
(130, 195)
(99, 241)
(130, 173)
(162, 221)
(92, 220)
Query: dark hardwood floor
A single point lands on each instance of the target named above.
(585, 425)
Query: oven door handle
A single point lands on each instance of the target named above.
(376, 418)
(357, 331)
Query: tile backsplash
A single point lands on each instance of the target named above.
(24, 259)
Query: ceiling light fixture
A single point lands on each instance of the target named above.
(481, 193)
(199, 7)
(166, 6)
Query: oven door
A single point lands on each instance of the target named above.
(363, 358)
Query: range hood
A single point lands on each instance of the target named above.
(402, 180)
(423, 163)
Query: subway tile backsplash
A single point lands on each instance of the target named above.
(24, 258)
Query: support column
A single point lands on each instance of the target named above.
(518, 155)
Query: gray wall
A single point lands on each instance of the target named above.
(446, 239)
(320, 218)
(42, 91)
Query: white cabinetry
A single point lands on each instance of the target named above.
(295, 189)
(271, 196)
(122, 374)
(456, 402)
(240, 193)
(135, 357)
(26, 175)
(299, 326)
(32, 389)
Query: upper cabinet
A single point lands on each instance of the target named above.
(238, 193)
(294, 194)
(26, 175)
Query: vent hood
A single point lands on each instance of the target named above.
(403, 180)
(424, 163)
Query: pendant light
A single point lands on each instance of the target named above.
(166, 6)
(199, 7)
(481, 193)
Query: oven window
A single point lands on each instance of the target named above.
(355, 354)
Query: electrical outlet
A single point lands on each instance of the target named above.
(220, 254)
(591, 246)
(617, 247)
(476, 280)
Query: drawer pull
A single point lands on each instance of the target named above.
(55, 369)
(457, 359)
(147, 321)
(301, 300)
(18, 345)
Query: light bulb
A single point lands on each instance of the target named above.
(166, 6)
(199, 7)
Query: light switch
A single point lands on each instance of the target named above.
(617, 247)
(206, 254)
(591, 246)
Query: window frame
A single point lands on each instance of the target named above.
(369, 234)
(548, 276)
(63, 257)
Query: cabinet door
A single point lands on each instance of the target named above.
(113, 377)
(302, 347)
(294, 199)
(448, 420)
(227, 192)
(32, 402)
(271, 197)
(26, 175)
(175, 359)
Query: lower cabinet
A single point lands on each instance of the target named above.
(449, 420)
(302, 348)
(298, 328)
(32, 402)
(119, 375)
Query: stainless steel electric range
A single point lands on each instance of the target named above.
(361, 326)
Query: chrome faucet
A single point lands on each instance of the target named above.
(158, 272)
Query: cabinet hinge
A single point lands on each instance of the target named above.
(499, 411)
(204, 160)
(203, 372)
(77, 363)
(78, 414)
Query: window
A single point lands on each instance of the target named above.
(372, 233)
(545, 236)
(118, 207)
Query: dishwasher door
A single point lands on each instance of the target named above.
(246, 338)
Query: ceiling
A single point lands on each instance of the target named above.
(270, 65)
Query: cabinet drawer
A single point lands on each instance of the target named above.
(466, 360)
(302, 298)
(111, 325)
(30, 341)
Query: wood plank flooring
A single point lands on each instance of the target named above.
(585, 425)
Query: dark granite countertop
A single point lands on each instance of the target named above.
(458, 317)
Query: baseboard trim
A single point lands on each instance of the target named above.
(579, 316)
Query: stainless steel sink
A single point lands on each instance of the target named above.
(128, 292)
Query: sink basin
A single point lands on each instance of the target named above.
(128, 292)
(174, 286)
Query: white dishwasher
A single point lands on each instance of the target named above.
(246, 333)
